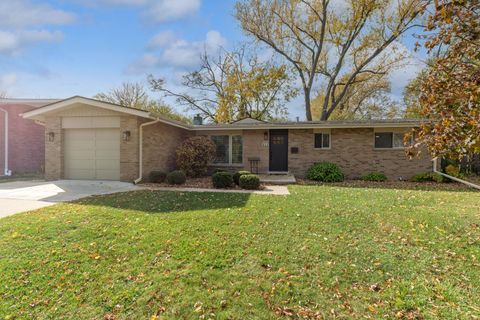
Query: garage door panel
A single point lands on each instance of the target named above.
(80, 174)
(81, 154)
(106, 165)
(92, 154)
(80, 164)
(107, 175)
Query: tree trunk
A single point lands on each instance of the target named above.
(308, 108)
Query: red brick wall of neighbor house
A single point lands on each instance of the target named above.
(353, 150)
(26, 141)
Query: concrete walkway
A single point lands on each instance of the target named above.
(269, 190)
(23, 196)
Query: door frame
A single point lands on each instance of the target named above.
(277, 132)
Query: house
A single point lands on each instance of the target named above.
(90, 139)
(21, 141)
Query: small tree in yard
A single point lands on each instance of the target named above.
(194, 155)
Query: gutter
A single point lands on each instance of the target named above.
(6, 171)
(472, 185)
(140, 154)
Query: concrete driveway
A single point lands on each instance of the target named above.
(23, 196)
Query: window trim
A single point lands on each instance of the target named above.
(322, 132)
(392, 131)
(230, 162)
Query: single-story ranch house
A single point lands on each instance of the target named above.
(90, 139)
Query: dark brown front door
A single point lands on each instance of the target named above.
(279, 150)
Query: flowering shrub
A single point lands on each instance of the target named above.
(194, 155)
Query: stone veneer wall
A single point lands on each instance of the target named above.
(160, 142)
(353, 150)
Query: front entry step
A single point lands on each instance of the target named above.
(277, 179)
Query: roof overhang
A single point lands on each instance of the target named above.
(56, 106)
(313, 125)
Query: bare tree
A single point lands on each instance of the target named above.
(334, 42)
(132, 95)
(233, 85)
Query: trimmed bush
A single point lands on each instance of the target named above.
(222, 180)
(249, 182)
(427, 177)
(325, 172)
(194, 155)
(176, 177)
(157, 176)
(375, 176)
(237, 175)
(216, 170)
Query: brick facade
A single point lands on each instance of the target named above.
(353, 150)
(53, 149)
(26, 141)
(129, 150)
(160, 142)
(350, 148)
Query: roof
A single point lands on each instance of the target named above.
(31, 102)
(243, 125)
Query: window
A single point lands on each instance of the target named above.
(322, 140)
(222, 149)
(389, 140)
(229, 149)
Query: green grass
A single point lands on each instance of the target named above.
(323, 252)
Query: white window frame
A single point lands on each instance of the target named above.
(323, 131)
(230, 151)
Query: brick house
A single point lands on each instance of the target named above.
(21, 141)
(89, 139)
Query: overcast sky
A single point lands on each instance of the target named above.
(61, 48)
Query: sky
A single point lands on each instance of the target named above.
(62, 48)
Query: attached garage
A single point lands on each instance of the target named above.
(92, 154)
(87, 139)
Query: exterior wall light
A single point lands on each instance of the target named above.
(51, 136)
(126, 135)
(265, 136)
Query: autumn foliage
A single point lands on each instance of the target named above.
(194, 155)
(450, 92)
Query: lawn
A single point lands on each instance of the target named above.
(322, 252)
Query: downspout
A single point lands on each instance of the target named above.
(140, 153)
(472, 185)
(6, 171)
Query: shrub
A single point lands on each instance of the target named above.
(454, 171)
(222, 180)
(237, 175)
(194, 155)
(157, 176)
(216, 170)
(176, 177)
(325, 172)
(375, 176)
(249, 182)
(427, 177)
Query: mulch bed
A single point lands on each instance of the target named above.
(200, 183)
(391, 184)
(206, 183)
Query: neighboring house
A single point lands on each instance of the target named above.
(22, 142)
(89, 139)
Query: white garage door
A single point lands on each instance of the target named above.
(92, 154)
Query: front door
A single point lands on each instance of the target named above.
(279, 150)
